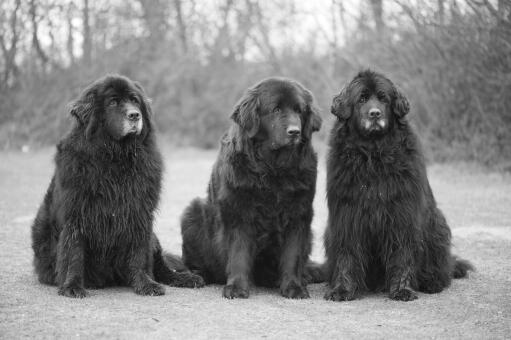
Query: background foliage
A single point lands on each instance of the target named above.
(452, 58)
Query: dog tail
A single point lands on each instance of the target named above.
(315, 272)
(461, 267)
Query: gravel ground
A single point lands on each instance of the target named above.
(477, 204)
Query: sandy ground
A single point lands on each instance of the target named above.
(476, 203)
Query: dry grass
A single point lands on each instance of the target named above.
(476, 203)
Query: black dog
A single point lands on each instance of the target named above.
(94, 227)
(384, 228)
(254, 225)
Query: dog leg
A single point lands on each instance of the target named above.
(44, 247)
(292, 264)
(70, 264)
(239, 266)
(400, 276)
(347, 273)
(140, 265)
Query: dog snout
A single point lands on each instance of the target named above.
(293, 131)
(133, 115)
(374, 113)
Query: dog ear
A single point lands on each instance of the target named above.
(246, 113)
(314, 121)
(83, 109)
(400, 105)
(315, 118)
(146, 102)
(147, 111)
(340, 106)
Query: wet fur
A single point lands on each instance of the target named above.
(254, 225)
(384, 230)
(95, 226)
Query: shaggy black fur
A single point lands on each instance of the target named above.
(384, 228)
(254, 225)
(94, 227)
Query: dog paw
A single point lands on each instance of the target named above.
(403, 294)
(150, 289)
(235, 292)
(339, 294)
(293, 290)
(189, 280)
(73, 292)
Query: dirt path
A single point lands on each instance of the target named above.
(477, 205)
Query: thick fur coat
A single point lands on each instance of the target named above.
(254, 225)
(385, 231)
(95, 226)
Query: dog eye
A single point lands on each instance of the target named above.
(362, 99)
(276, 110)
(134, 99)
(113, 102)
(382, 97)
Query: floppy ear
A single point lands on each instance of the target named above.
(147, 111)
(314, 120)
(246, 113)
(146, 102)
(400, 106)
(340, 106)
(83, 110)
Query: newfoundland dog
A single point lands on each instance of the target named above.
(255, 224)
(384, 231)
(94, 227)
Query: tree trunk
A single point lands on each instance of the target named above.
(441, 12)
(377, 8)
(35, 39)
(70, 33)
(9, 52)
(182, 26)
(155, 16)
(87, 39)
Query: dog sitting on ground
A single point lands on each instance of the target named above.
(384, 228)
(95, 226)
(255, 224)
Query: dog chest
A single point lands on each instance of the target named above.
(110, 205)
(264, 212)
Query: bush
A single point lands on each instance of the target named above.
(457, 77)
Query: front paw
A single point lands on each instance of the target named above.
(340, 294)
(293, 290)
(188, 280)
(73, 291)
(150, 289)
(403, 294)
(235, 292)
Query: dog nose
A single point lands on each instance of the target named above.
(133, 115)
(374, 113)
(293, 131)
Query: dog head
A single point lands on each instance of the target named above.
(278, 112)
(371, 104)
(113, 107)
